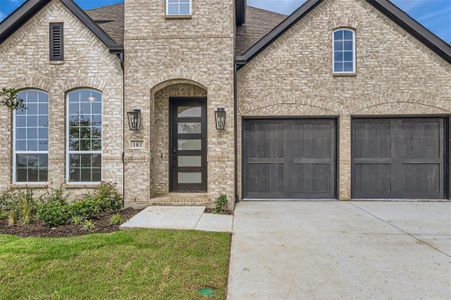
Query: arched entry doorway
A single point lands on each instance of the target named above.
(180, 136)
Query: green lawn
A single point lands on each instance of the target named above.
(140, 264)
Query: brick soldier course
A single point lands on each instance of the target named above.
(148, 57)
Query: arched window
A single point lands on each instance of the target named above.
(344, 51)
(84, 136)
(30, 160)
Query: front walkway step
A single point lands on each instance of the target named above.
(166, 217)
(215, 223)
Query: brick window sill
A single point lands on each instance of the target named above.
(344, 74)
(56, 62)
(179, 17)
(18, 186)
(70, 186)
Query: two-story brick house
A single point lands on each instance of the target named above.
(343, 99)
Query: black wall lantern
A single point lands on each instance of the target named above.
(134, 119)
(220, 117)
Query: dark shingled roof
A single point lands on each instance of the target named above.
(111, 19)
(258, 23)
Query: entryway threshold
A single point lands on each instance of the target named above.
(180, 217)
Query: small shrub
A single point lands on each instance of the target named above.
(88, 225)
(54, 211)
(86, 208)
(76, 220)
(27, 206)
(6, 203)
(220, 204)
(108, 197)
(11, 218)
(116, 219)
(21, 203)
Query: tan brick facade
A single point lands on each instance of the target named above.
(161, 53)
(194, 57)
(396, 75)
(24, 63)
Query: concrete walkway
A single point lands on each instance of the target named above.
(180, 217)
(341, 250)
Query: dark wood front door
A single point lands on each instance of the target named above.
(188, 146)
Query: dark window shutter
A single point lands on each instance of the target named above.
(56, 42)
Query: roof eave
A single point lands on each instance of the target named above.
(386, 7)
(19, 17)
(25, 12)
(85, 19)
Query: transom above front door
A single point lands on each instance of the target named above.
(188, 159)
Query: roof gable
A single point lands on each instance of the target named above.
(386, 7)
(31, 7)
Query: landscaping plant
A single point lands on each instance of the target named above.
(54, 208)
(108, 197)
(86, 208)
(8, 98)
(6, 204)
(220, 204)
(18, 206)
(54, 211)
(104, 199)
(12, 218)
(88, 225)
(116, 219)
(27, 206)
(77, 220)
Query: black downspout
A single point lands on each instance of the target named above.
(121, 56)
(235, 122)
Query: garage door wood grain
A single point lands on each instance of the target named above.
(398, 158)
(289, 159)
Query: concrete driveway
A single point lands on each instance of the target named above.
(341, 250)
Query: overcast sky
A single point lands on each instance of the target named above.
(433, 14)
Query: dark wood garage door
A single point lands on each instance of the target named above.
(289, 159)
(398, 158)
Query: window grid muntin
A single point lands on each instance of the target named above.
(343, 45)
(90, 112)
(33, 118)
(178, 4)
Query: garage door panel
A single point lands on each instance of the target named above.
(265, 180)
(265, 141)
(299, 164)
(311, 181)
(415, 164)
(372, 139)
(372, 180)
(422, 180)
(312, 140)
(421, 139)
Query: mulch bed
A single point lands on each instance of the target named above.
(212, 211)
(38, 229)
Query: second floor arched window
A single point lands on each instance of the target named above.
(343, 51)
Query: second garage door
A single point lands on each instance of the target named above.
(289, 159)
(398, 158)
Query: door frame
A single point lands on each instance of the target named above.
(446, 193)
(174, 102)
(336, 120)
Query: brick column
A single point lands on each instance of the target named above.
(344, 156)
